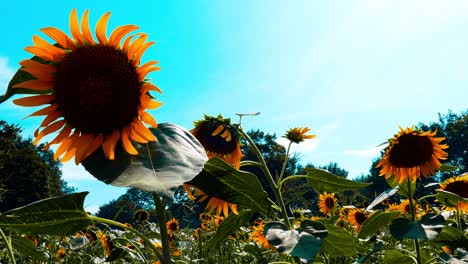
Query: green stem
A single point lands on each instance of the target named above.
(9, 248)
(133, 244)
(162, 228)
(250, 163)
(292, 177)
(270, 179)
(285, 163)
(459, 219)
(131, 229)
(426, 196)
(413, 218)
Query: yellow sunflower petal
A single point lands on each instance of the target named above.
(64, 133)
(151, 87)
(37, 66)
(143, 131)
(45, 111)
(41, 43)
(108, 146)
(127, 43)
(43, 54)
(120, 32)
(38, 85)
(146, 102)
(139, 53)
(148, 119)
(217, 130)
(126, 142)
(49, 129)
(36, 100)
(75, 28)
(51, 118)
(97, 142)
(84, 143)
(61, 38)
(101, 28)
(63, 147)
(85, 28)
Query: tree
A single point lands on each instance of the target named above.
(27, 173)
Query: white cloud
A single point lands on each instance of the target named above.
(72, 172)
(91, 208)
(367, 152)
(6, 73)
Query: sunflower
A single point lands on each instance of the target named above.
(412, 153)
(105, 243)
(327, 203)
(95, 90)
(172, 225)
(356, 217)
(298, 134)
(141, 216)
(258, 236)
(459, 186)
(220, 139)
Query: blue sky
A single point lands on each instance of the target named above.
(352, 71)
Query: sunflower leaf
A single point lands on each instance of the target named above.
(452, 237)
(395, 256)
(61, 215)
(160, 166)
(324, 181)
(428, 228)
(393, 182)
(448, 168)
(385, 195)
(338, 242)
(229, 226)
(26, 247)
(449, 198)
(376, 222)
(221, 180)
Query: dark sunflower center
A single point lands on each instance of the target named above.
(98, 89)
(173, 226)
(360, 217)
(458, 187)
(330, 203)
(411, 151)
(215, 144)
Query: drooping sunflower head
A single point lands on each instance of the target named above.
(356, 217)
(95, 91)
(172, 225)
(412, 153)
(298, 134)
(459, 186)
(219, 138)
(327, 203)
(217, 205)
(141, 216)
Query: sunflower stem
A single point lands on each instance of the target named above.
(459, 219)
(270, 179)
(131, 229)
(285, 163)
(9, 248)
(413, 218)
(162, 228)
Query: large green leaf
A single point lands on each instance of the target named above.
(160, 166)
(304, 242)
(376, 222)
(221, 180)
(338, 242)
(377, 247)
(385, 195)
(427, 228)
(25, 247)
(324, 181)
(392, 181)
(448, 168)
(232, 223)
(61, 215)
(395, 256)
(449, 199)
(452, 237)
(19, 77)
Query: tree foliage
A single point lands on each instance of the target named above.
(27, 173)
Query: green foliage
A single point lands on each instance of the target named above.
(232, 223)
(339, 242)
(56, 216)
(396, 256)
(452, 237)
(27, 173)
(221, 180)
(449, 199)
(427, 228)
(376, 222)
(324, 181)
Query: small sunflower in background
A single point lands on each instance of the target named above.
(95, 91)
(459, 186)
(141, 216)
(412, 153)
(356, 217)
(298, 134)
(220, 139)
(258, 236)
(172, 225)
(327, 203)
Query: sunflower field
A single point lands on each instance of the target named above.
(106, 131)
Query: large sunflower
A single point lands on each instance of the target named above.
(220, 139)
(95, 90)
(459, 186)
(356, 217)
(412, 153)
(327, 203)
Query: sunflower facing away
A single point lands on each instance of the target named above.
(327, 203)
(298, 134)
(412, 153)
(459, 186)
(94, 91)
(220, 139)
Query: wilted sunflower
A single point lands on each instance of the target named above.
(356, 217)
(298, 134)
(459, 186)
(172, 225)
(412, 153)
(327, 203)
(220, 139)
(95, 90)
(141, 216)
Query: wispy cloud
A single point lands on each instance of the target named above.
(6, 73)
(366, 152)
(72, 172)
